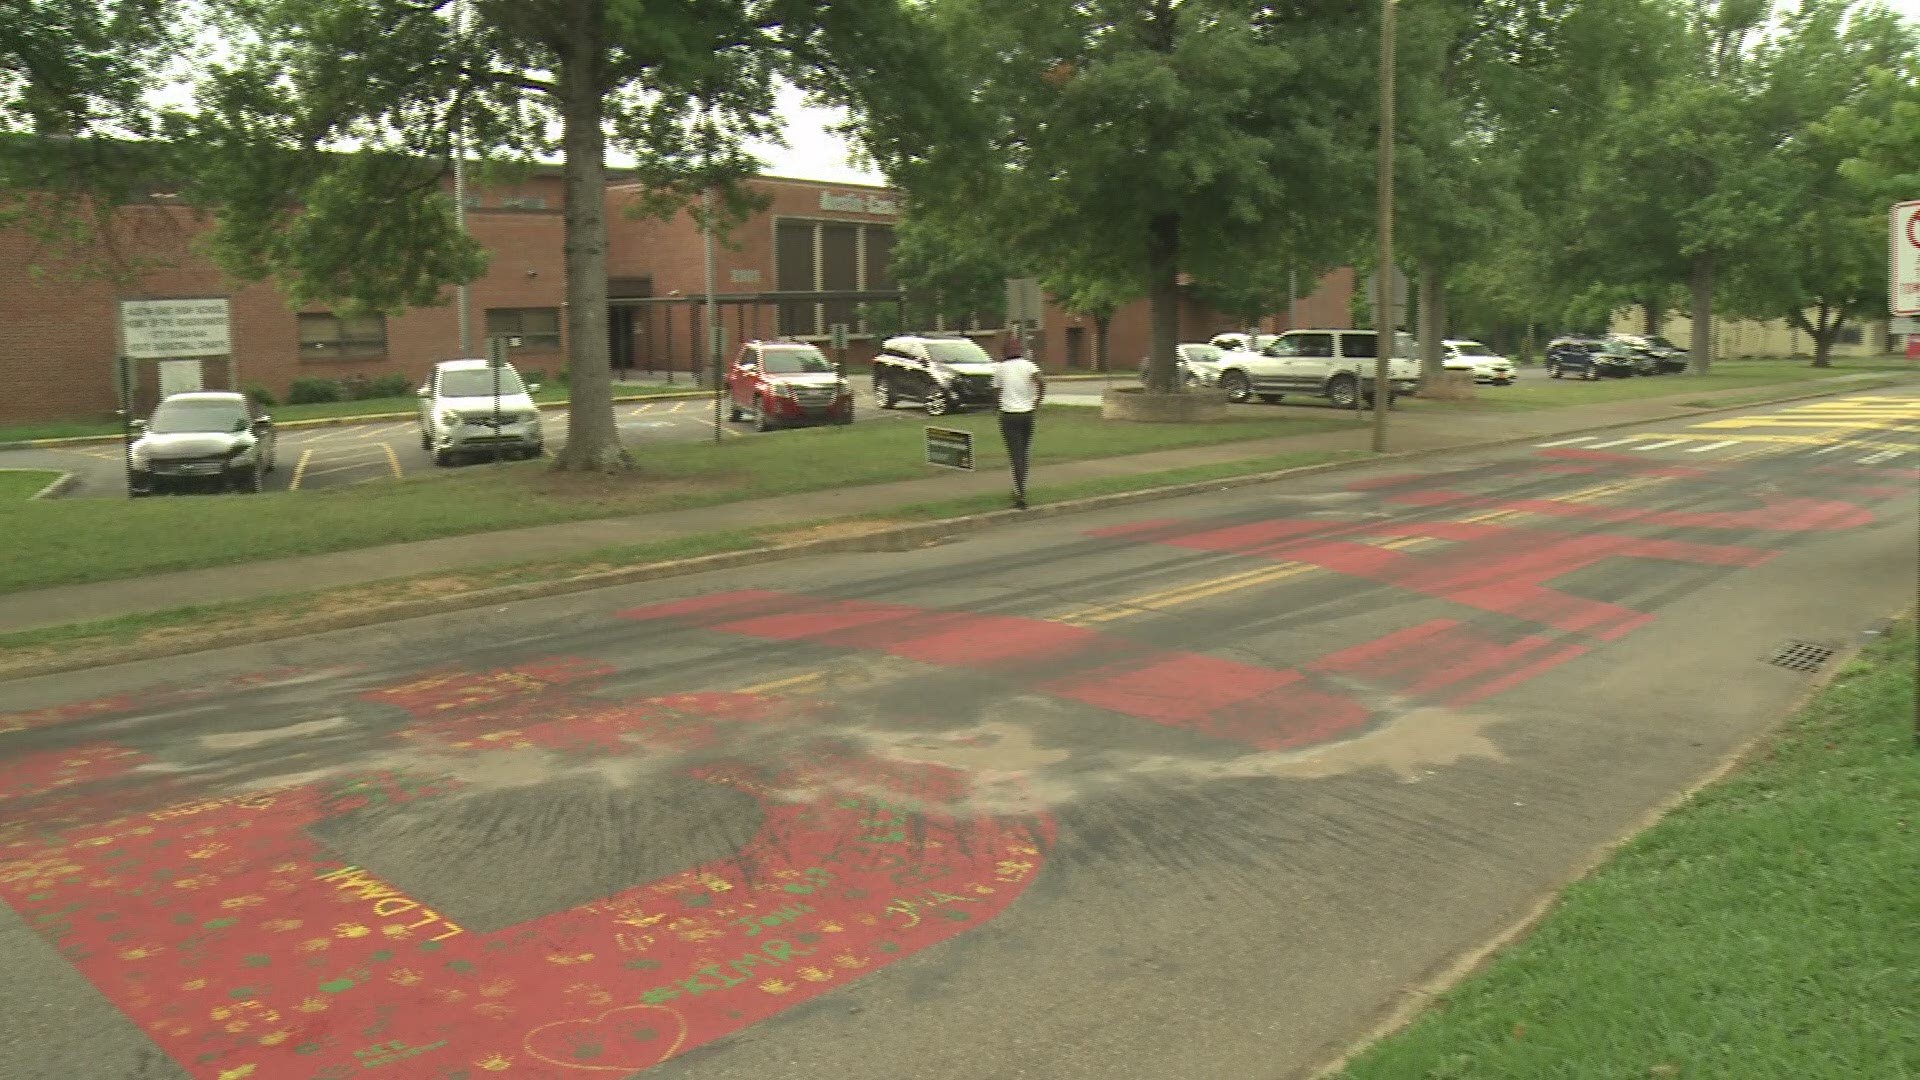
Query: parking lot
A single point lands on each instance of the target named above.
(317, 458)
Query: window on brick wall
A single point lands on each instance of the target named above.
(828, 256)
(326, 336)
(536, 327)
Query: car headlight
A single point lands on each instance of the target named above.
(238, 449)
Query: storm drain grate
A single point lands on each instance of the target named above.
(1801, 656)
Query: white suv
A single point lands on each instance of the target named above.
(1334, 364)
(458, 411)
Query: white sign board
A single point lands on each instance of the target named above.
(163, 329)
(1903, 259)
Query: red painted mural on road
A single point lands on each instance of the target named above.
(248, 950)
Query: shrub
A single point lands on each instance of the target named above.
(533, 375)
(262, 396)
(312, 391)
(391, 385)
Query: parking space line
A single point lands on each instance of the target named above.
(353, 466)
(1663, 445)
(1713, 446)
(1835, 448)
(1619, 442)
(383, 429)
(677, 406)
(640, 409)
(393, 459)
(1566, 442)
(300, 469)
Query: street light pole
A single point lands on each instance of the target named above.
(1383, 274)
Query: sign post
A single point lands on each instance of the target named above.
(950, 448)
(1903, 258)
(496, 359)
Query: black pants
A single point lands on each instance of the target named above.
(1016, 428)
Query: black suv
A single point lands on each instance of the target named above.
(944, 374)
(1586, 358)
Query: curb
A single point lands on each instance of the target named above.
(899, 538)
(60, 486)
(1449, 974)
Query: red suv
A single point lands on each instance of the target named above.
(787, 382)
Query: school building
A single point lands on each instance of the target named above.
(817, 255)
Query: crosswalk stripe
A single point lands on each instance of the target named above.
(1566, 442)
(1712, 446)
(1662, 445)
(1619, 442)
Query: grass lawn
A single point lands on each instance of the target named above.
(21, 650)
(1726, 375)
(18, 485)
(1767, 930)
(77, 540)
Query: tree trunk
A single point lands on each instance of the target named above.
(593, 438)
(1824, 335)
(1102, 325)
(1433, 318)
(1655, 313)
(1163, 298)
(1701, 343)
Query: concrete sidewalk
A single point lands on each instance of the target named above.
(1408, 432)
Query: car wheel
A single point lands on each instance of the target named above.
(883, 393)
(426, 442)
(443, 458)
(1237, 385)
(1553, 371)
(1272, 399)
(1592, 374)
(937, 402)
(733, 412)
(1343, 390)
(761, 422)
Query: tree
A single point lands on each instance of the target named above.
(331, 132)
(1133, 142)
(81, 132)
(1822, 263)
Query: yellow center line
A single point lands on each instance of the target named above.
(393, 459)
(783, 684)
(300, 469)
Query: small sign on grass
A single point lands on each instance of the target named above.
(950, 448)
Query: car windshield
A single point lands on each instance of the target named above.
(794, 361)
(957, 352)
(179, 417)
(1663, 343)
(1203, 354)
(1472, 348)
(478, 382)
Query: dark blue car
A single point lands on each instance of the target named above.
(1587, 358)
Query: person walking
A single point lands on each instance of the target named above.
(1021, 388)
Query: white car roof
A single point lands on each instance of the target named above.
(462, 365)
(206, 395)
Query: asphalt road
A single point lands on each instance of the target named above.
(1187, 790)
(317, 458)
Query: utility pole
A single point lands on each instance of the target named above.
(713, 323)
(463, 302)
(1383, 273)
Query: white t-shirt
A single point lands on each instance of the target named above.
(1018, 381)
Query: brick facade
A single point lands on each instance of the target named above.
(59, 332)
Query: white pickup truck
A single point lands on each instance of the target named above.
(1334, 364)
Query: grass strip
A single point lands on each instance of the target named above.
(79, 540)
(19, 485)
(23, 648)
(1726, 375)
(1763, 931)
